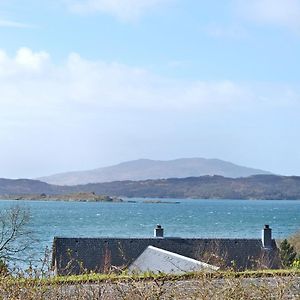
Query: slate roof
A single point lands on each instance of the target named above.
(78, 255)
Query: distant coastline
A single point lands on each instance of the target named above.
(80, 197)
(74, 197)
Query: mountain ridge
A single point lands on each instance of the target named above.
(144, 169)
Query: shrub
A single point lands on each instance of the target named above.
(294, 240)
(3, 268)
(287, 253)
(296, 264)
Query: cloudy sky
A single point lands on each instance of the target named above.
(90, 83)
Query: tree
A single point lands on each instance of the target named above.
(15, 237)
(287, 253)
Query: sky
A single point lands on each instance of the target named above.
(91, 83)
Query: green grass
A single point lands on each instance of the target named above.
(97, 278)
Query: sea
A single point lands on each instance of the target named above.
(138, 217)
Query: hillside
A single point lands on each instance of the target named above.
(144, 169)
(205, 187)
(26, 186)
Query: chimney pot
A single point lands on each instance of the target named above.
(158, 231)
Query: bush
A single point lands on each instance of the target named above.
(296, 264)
(3, 268)
(294, 240)
(287, 253)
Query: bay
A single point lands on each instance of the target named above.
(180, 218)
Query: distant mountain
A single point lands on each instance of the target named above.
(144, 169)
(205, 187)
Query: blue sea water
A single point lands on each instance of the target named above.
(188, 218)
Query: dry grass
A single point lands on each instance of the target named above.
(226, 285)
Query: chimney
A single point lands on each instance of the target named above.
(267, 237)
(158, 231)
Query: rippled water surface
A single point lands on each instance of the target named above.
(188, 218)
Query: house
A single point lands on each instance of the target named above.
(102, 255)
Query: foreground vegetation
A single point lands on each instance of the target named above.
(267, 284)
(259, 284)
(39, 283)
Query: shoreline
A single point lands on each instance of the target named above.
(75, 197)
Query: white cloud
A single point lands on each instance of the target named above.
(219, 31)
(127, 10)
(13, 24)
(275, 12)
(26, 62)
(82, 113)
(26, 58)
(31, 78)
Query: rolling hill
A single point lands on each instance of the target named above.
(204, 187)
(144, 169)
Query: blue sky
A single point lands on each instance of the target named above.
(89, 83)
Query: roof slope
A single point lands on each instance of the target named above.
(157, 260)
(76, 255)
